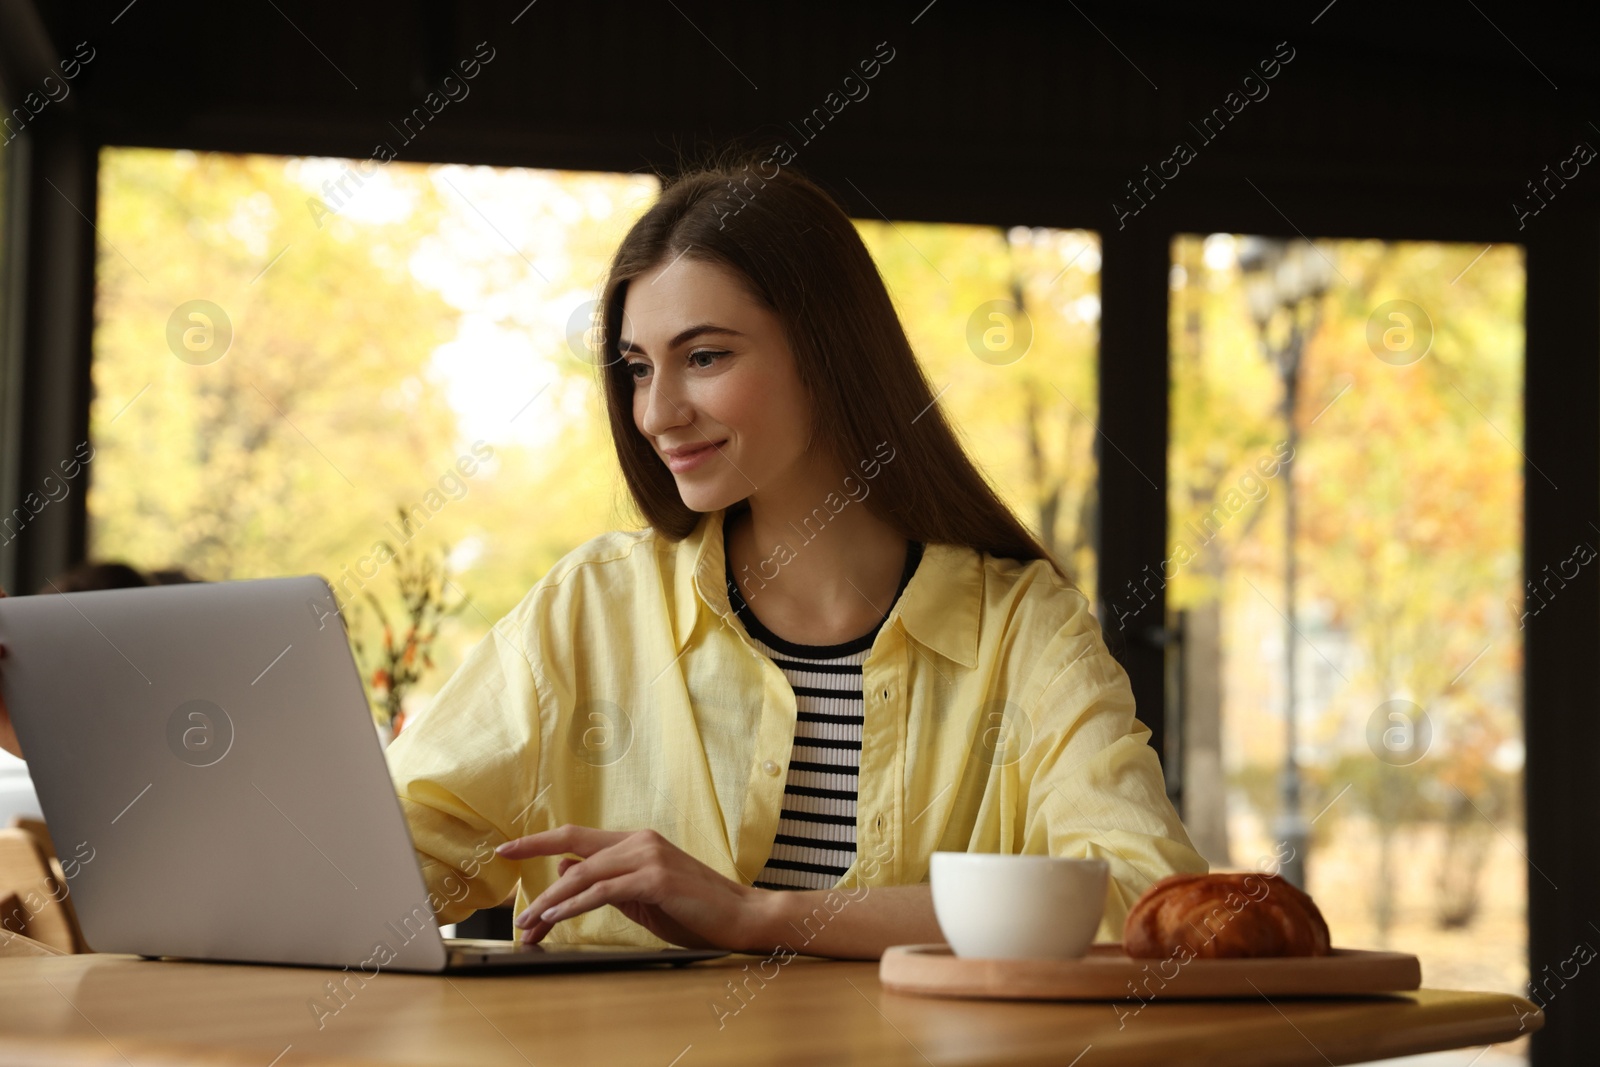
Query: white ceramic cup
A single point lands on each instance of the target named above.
(1018, 907)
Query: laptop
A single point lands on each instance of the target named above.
(208, 767)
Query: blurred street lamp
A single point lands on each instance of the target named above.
(1284, 283)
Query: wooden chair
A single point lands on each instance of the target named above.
(15, 946)
(33, 899)
(41, 835)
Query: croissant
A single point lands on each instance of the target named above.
(1226, 915)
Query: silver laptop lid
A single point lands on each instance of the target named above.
(210, 749)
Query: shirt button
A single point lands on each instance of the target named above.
(770, 767)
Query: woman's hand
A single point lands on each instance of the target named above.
(8, 733)
(647, 878)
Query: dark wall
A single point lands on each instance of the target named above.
(1388, 119)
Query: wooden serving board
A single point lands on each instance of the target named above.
(1107, 974)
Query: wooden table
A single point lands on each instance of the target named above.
(116, 1011)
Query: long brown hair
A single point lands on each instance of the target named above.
(799, 254)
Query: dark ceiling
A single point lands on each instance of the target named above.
(1389, 119)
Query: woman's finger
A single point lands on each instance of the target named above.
(615, 890)
(535, 933)
(607, 863)
(584, 840)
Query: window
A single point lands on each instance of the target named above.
(1407, 366)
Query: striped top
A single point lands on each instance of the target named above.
(816, 839)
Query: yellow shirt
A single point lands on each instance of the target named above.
(624, 693)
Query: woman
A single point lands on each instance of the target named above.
(831, 652)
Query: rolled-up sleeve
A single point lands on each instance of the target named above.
(465, 772)
(1094, 787)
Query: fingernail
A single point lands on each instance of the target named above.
(551, 914)
(523, 920)
(500, 848)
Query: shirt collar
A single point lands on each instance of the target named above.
(940, 608)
